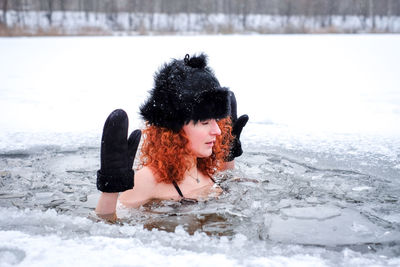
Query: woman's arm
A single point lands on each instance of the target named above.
(133, 198)
(106, 207)
(116, 160)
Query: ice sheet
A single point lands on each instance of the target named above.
(317, 184)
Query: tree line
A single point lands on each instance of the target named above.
(325, 9)
(272, 7)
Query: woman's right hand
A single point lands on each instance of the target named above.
(117, 154)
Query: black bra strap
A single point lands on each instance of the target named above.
(177, 188)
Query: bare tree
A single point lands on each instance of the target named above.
(244, 11)
(4, 7)
(48, 7)
(372, 13)
(332, 9)
(287, 9)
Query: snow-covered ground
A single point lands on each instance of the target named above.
(319, 177)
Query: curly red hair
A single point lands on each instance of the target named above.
(168, 155)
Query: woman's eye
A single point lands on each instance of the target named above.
(204, 122)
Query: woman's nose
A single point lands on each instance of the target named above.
(215, 130)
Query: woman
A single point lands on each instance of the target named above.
(192, 132)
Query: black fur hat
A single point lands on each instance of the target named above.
(185, 90)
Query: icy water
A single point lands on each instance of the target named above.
(316, 186)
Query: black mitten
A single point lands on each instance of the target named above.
(117, 154)
(237, 127)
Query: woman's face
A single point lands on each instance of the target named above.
(202, 136)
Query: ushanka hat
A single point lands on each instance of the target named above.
(185, 90)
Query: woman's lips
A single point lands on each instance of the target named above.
(211, 143)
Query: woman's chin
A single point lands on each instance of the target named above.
(204, 154)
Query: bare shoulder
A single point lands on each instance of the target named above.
(143, 190)
(146, 175)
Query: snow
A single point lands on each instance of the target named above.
(69, 85)
(317, 183)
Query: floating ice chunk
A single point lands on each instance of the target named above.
(274, 187)
(338, 227)
(11, 195)
(298, 169)
(313, 200)
(91, 201)
(285, 203)
(318, 213)
(67, 190)
(310, 160)
(292, 167)
(256, 205)
(44, 195)
(393, 218)
(360, 228)
(5, 174)
(361, 188)
(54, 203)
(317, 177)
(255, 170)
